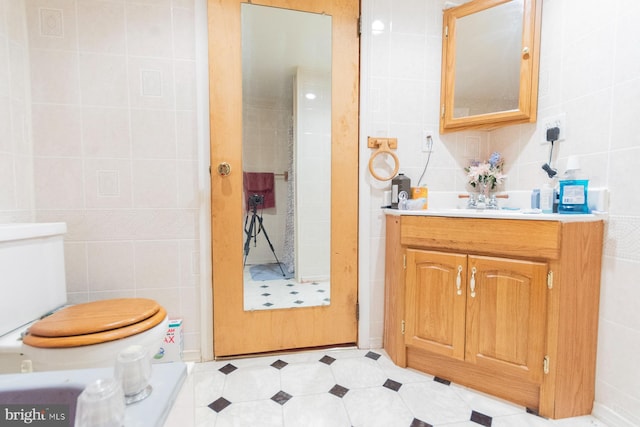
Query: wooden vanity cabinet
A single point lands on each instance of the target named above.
(508, 307)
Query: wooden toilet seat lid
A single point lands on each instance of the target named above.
(97, 337)
(95, 322)
(97, 316)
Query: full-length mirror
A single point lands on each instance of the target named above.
(286, 157)
(490, 64)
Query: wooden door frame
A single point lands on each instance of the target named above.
(226, 125)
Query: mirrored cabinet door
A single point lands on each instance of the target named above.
(490, 60)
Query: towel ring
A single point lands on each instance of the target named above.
(384, 148)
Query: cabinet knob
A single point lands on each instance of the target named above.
(459, 281)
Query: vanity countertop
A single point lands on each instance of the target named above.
(499, 214)
(451, 204)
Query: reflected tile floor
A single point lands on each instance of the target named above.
(283, 293)
(345, 387)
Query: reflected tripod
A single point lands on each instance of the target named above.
(255, 227)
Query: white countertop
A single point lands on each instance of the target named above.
(499, 214)
(515, 206)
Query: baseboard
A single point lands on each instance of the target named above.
(375, 343)
(191, 356)
(609, 417)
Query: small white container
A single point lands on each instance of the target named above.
(546, 199)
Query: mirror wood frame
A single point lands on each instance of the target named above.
(529, 69)
(235, 331)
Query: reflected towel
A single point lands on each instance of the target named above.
(261, 183)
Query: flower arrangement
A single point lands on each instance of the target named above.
(487, 174)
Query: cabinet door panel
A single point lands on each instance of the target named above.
(506, 316)
(435, 310)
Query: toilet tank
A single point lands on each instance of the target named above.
(32, 278)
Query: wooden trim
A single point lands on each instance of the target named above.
(533, 240)
(573, 253)
(236, 331)
(578, 288)
(394, 294)
(495, 383)
(529, 70)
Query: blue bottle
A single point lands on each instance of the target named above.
(573, 196)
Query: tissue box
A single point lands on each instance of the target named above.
(171, 349)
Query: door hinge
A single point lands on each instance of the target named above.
(545, 364)
(404, 261)
(550, 279)
(446, 31)
(357, 311)
(402, 327)
(359, 26)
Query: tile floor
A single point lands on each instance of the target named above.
(283, 293)
(334, 388)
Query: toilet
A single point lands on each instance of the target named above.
(40, 332)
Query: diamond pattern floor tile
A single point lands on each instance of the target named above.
(281, 397)
(338, 390)
(345, 388)
(219, 404)
(482, 419)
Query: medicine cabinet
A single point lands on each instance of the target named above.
(490, 60)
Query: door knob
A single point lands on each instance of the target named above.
(224, 169)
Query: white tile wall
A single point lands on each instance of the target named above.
(101, 27)
(149, 30)
(103, 79)
(54, 76)
(98, 133)
(588, 72)
(16, 163)
(56, 130)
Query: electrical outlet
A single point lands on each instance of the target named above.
(427, 141)
(559, 121)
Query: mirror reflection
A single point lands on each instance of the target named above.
(286, 149)
(487, 60)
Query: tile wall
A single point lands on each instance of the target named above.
(108, 88)
(16, 162)
(590, 71)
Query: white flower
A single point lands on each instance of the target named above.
(488, 173)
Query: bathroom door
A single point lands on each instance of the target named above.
(238, 330)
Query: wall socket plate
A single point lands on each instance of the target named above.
(428, 139)
(560, 121)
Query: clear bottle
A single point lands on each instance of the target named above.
(535, 198)
(546, 199)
